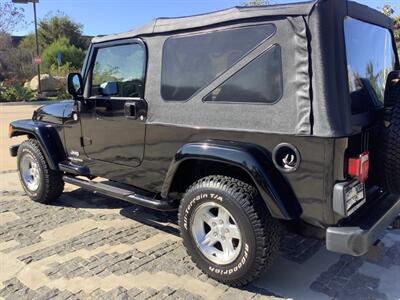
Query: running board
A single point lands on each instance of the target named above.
(70, 168)
(123, 194)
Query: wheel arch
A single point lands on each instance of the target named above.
(47, 136)
(250, 162)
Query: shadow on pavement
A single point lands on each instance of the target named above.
(80, 198)
(304, 268)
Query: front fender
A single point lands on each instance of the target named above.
(272, 186)
(48, 136)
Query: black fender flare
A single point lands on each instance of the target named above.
(255, 160)
(46, 134)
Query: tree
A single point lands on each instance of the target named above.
(29, 43)
(70, 54)
(15, 64)
(55, 27)
(60, 25)
(10, 16)
(390, 12)
(256, 3)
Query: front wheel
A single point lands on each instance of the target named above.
(40, 183)
(227, 229)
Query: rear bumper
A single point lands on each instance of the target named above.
(365, 227)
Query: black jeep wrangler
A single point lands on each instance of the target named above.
(245, 120)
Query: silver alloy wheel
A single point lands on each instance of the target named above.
(30, 173)
(216, 233)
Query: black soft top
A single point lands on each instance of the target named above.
(162, 25)
(315, 98)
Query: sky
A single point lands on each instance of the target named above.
(113, 16)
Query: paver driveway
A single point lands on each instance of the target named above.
(89, 246)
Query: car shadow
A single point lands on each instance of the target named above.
(168, 223)
(80, 198)
(304, 269)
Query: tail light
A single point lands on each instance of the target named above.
(359, 167)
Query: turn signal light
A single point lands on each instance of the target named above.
(359, 167)
(10, 130)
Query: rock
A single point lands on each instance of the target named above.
(48, 83)
(27, 85)
(48, 94)
(62, 82)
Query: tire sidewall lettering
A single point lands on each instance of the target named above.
(242, 260)
(199, 197)
(237, 267)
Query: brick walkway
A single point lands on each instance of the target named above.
(86, 246)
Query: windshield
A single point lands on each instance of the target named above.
(370, 58)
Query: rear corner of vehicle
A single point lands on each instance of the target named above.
(363, 208)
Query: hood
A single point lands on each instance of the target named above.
(53, 113)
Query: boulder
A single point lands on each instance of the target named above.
(62, 82)
(48, 83)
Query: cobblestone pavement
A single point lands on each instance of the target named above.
(86, 246)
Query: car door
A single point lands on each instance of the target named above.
(114, 110)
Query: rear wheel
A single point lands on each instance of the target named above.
(39, 182)
(390, 147)
(396, 223)
(227, 229)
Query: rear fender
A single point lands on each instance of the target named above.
(47, 135)
(273, 188)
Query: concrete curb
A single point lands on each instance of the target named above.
(43, 102)
(8, 172)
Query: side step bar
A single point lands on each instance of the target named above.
(123, 194)
(71, 168)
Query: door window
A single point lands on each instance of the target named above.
(118, 71)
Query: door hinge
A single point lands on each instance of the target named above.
(85, 141)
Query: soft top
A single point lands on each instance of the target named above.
(161, 25)
(316, 95)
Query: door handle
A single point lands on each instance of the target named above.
(130, 110)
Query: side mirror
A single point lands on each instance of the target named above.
(109, 88)
(75, 84)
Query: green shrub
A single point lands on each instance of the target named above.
(70, 55)
(63, 70)
(63, 95)
(15, 93)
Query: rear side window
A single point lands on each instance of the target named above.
(192, 62)
(259, 81)
(370, 58)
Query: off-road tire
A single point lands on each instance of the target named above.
(51, 184)
(390, 147)
(261, 233)
(396, 223)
